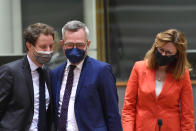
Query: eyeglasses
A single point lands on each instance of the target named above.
(77, 45)
(167, 53)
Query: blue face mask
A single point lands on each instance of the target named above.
(75, 55)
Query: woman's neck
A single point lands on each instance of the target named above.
(162, 68)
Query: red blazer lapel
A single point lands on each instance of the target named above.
(168, 86)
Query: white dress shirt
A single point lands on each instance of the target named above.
(71, 119)
(158, 87)
(35, 79)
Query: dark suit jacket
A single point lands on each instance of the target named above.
(96, 102)
(17, 97)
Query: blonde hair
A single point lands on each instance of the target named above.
(178, 39)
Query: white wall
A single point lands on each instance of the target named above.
(90, 21)
(10, 27)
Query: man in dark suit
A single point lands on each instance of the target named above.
(85, 92)
(26, 102)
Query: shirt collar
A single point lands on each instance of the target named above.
(33, 66)
(78, 66)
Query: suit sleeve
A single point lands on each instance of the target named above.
(109, 98)
(187, 111)
(5, 88)
(130, 100)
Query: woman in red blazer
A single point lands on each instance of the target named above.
(159, 93)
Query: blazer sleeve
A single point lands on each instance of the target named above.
(109, 98)
(187, 110)
(130, 100)
(5, 88)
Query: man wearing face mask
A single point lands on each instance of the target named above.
(85, 92)
(26, 101)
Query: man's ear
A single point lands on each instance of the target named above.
(28, 45)
(61, 42)
(88, 43)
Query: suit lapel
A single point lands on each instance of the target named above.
(28, 78)
(47, 80)
(166, 85)
(169, 81)
(83, 74)
(150, 78)
(60, 76)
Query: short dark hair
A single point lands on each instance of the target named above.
(32, 32)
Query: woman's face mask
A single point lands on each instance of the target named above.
(164, 60)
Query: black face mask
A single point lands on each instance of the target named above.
(164, 60)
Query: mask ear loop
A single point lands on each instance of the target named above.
(34, 52)
(87, 48)
(156, 47)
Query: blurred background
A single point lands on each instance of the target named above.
(121, 31)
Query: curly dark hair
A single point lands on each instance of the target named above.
(32, 32)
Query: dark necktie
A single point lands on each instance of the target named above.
(64, 108)
(42, 102)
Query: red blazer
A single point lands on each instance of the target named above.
(142, 107)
